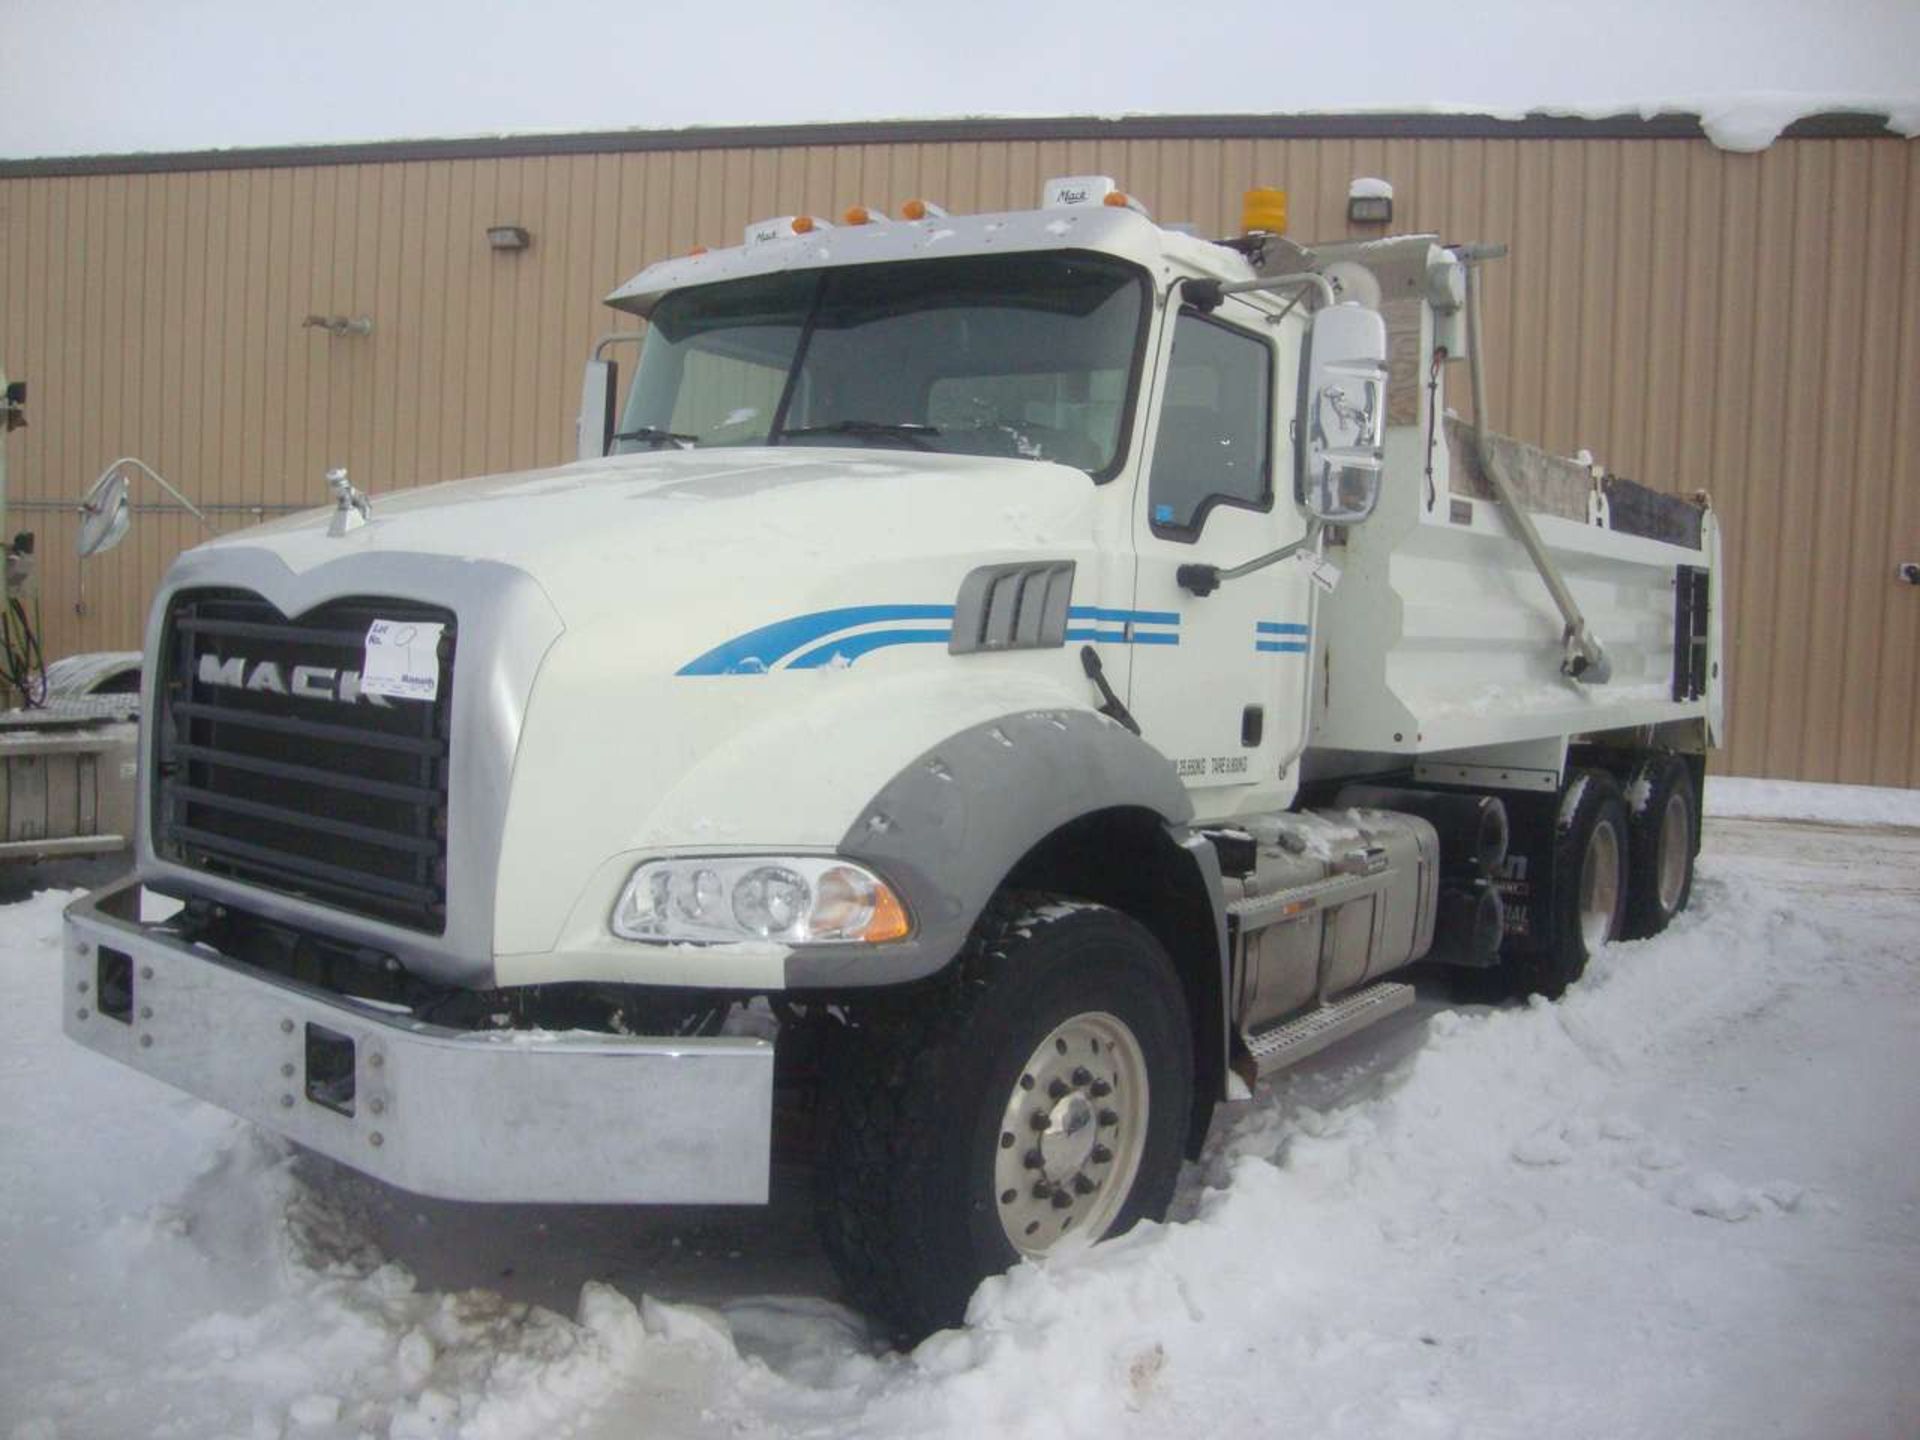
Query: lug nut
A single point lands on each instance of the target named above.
(1109, 1117)
(1062, 1200)
(1038, 1120)
(1101, 1155)
(1100, 1090)
(1057, 1089)
(1041, 1190)
(1083, 1186)
(1033, 1160)
(1082, 1075)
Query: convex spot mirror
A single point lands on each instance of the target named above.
(1346, 413)
(105, 514)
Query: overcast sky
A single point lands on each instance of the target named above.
(85, 76)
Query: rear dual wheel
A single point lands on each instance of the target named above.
(1588, 905)
(1616, 875)
(1662, 843)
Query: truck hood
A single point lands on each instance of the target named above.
(719, 542)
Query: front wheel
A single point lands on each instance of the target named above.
(1038, 1098)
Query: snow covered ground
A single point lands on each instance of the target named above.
(1683, 1201)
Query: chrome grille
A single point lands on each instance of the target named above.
(271, 768)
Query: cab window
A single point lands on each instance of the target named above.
(1215, 442)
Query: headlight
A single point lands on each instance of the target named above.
(792, 899)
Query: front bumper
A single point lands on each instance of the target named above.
(466, 1115)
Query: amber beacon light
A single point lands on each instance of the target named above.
(1263, 211)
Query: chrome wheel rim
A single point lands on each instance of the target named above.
(1676, 839)
(1600, 885)
(1071, 1135)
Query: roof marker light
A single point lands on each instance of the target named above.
(922, 210)
(862, 215)
(696, 250)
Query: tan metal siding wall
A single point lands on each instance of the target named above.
(1746, 324)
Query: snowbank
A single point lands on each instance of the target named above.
(1677, 1202)
(1734, 797)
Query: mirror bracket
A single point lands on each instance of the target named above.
(1205, 579)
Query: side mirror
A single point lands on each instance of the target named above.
(1346, 414)
(599, 392)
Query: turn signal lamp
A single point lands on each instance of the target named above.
(921, 210)
(861, 215)
(1263, 212)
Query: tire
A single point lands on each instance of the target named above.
(1662, 842)
(1589, 902)
(1001, 1111)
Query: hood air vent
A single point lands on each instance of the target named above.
(1013, 607)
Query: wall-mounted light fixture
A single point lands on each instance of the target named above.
(508, 237)
(1369, 202)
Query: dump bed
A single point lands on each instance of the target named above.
(1442, 639)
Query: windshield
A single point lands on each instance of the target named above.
(1030, 356)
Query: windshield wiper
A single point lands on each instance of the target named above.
(658, 436)
(890, 430)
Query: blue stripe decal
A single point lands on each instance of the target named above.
(1121, 617)
(851, 647)
(760, 650)
(1119, 637)
(813, 641)
(1267, 637)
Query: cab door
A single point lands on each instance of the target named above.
(1217, 679)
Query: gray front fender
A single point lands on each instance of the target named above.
(948, 828)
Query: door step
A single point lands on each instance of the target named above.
(1294, 1040)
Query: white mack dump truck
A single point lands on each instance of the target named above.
(999, 684)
